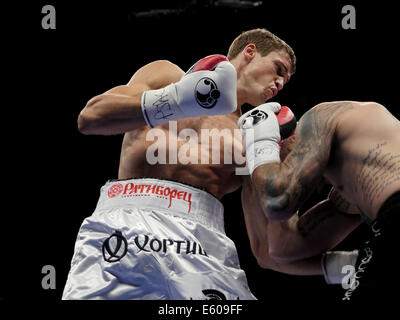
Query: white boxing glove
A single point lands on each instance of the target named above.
(261, 134)
(208, 88)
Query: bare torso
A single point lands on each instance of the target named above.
(219, 178)
(364, 164)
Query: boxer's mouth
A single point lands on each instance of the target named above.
(274, 91)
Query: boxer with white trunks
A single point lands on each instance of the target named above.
(150, 239)
(156, 238)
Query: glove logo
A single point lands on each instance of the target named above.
(257, 117)
(206, 93)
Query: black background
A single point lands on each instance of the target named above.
(95, 46)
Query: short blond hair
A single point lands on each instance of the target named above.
(265, 42)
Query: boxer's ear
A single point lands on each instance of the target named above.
(249, 52)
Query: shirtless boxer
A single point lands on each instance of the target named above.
(355, 146)
(163, 237)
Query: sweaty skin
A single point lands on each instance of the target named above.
(353, 145)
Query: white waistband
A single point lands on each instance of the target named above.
(169, 196)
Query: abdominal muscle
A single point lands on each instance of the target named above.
(189, 160)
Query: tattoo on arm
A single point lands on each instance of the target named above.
(289, 184)
(309, 222)
(341, 204)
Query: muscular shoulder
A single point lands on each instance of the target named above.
(323, 119)
(337, 110)
(157, 74)
(341, 119)
(330, 110)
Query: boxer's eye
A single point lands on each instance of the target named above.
(281, 71)
(278, 69)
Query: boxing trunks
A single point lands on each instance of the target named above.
(376, 269)
(155, 239)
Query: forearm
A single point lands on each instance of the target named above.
(113, 113)
(271, 240)
(305, 267)
(320, 229)
(261, 232)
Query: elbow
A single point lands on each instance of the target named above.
(276, 200)
(281, 255)
(278, 248)
(263, 261)
(274, 252)
(261, 254)
(83, 124)
(86, 124)
(278, 209)
(87, 120)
